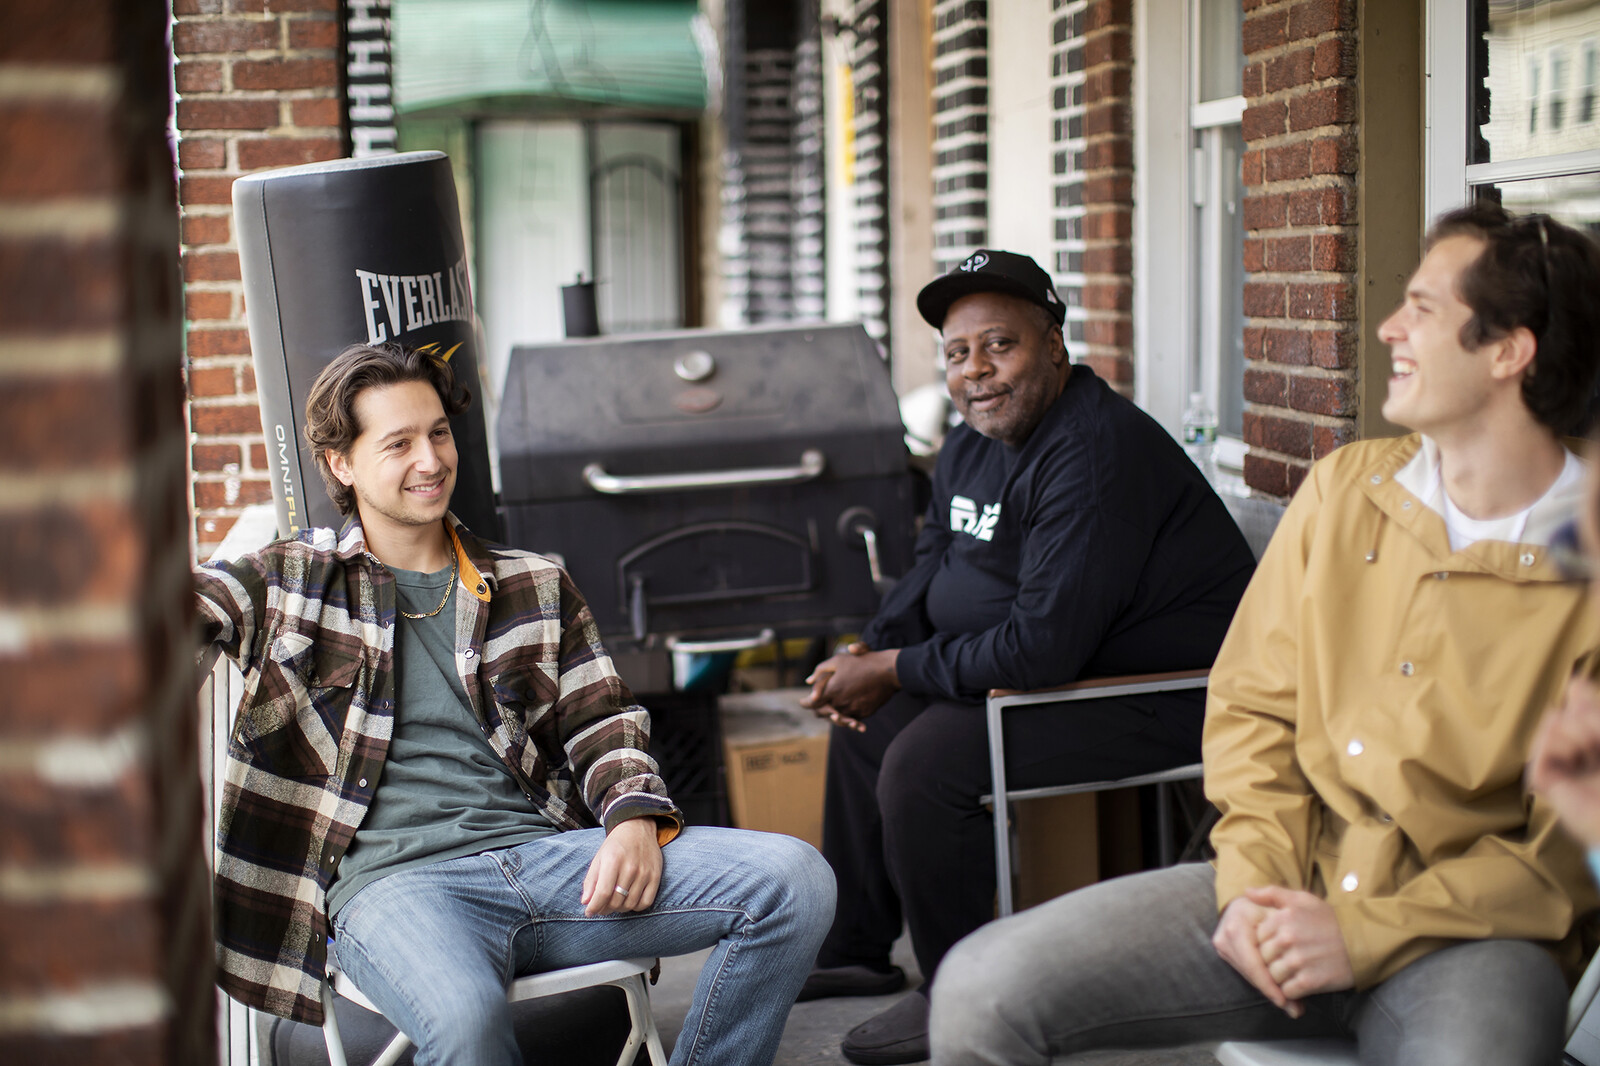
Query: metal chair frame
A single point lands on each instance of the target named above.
(1098, 688)
(626, 974)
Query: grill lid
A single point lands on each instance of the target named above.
(696, 409)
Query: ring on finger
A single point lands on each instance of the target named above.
(621, 891)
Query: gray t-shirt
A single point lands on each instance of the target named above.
(444, 793)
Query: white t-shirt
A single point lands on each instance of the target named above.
(1534, 524)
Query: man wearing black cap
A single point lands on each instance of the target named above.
(1069, 536)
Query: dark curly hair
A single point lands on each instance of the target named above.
(1537, 273)
(331, 423)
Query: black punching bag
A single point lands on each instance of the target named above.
(348, 252)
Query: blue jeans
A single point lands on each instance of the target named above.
(1129, 963)
(435, 947)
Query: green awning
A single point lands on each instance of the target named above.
(488, 56)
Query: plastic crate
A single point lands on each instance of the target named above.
(686, 741)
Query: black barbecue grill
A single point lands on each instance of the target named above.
(711, 485)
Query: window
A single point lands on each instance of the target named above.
(1533, 95)
(1189, 231)
(1558, 87)
(1216, 360)
(1529, 139)
(1586, 99)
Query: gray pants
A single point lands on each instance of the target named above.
(1129, 963)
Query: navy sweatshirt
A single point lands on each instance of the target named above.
(1095, 549)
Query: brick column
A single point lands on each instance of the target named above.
(258, 87)
(1300, 236)
(960, 130)
(869, 71)
(1066, 161)
(105, 942)
(1106, 165)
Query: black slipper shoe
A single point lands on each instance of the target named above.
(898, 1035)
(851, 981)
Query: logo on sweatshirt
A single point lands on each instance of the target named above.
(965, 517)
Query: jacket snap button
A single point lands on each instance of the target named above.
(1377, 479)
(362, 783)
(1355, 747)
(1527, 558)
(468, 653)
(1350, 882)
(1441, 575)
(481, 587)
(1407, 669)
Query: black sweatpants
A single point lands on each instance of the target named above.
(902, 825)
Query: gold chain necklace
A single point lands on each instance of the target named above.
(455, 565)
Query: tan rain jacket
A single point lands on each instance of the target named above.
(1370, 713)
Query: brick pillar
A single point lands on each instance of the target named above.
(1066, 161)
(1106, 165)
(258, 87)
(1300, 291)
(869, 71)
(766, 166)
(105, 942)
(808, 268)
(960, 130)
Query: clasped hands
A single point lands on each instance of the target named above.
(847, 688)
(1286, 943)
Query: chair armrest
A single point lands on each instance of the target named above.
(1096, 688)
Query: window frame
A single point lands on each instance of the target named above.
(1166, 298)
(1449, 178)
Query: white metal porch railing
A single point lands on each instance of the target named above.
(239, 1029)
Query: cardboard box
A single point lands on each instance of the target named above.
(1058, 847)
(776, 754)
(1064, 843)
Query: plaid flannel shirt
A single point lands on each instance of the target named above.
(310, 622)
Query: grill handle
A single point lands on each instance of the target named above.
(701, 647)
(812, 463)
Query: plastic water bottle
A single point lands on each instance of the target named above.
(1200, 435)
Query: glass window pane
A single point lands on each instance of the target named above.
(1221, 57)
(1216, 365)
(1533, 79)
(1574, 200)
(638, 257)
(1230, 390)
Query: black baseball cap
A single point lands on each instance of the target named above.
(989, 270)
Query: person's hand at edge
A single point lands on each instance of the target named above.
(1564, 761)
(626, 870)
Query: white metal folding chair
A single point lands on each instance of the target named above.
(626, 974)
(1343, 1052)
(1096, 689)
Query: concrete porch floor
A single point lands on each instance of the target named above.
(815, 1029)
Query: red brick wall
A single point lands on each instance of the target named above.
(1108, 190)
(105, 940)
(1300, 163)
(258, 87)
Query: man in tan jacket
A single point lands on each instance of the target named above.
(1381, 872)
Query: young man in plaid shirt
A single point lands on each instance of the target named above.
(435, 759)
